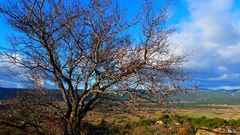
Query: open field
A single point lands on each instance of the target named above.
(227, 112)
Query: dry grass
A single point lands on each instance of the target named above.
(228, 112)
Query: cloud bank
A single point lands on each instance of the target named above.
(11, 75)
(212, 32)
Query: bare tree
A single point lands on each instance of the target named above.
(88, 51)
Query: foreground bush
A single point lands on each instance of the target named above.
(200, 122)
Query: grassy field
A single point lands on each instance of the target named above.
(229, 112)
(213, 104)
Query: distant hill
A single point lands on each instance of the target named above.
(198, 96)
(9, 93)
(210, 96)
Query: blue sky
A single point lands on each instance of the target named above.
(209, 30)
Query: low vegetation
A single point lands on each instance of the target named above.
(200, 122)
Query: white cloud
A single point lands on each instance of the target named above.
(230, 53)
(222, 69)
(225, 87)
(11, 75)
(222, 77)
(212, 32)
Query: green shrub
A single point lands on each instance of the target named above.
(199, 122)
(146, 122)
(182, 119)
(210, 123)
(175, 118)
(166, 119)
(234, 123)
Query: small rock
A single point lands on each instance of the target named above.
(232, 130)
(220, 130)
(177, 124)
(204, 132)
(159, 122)
(225, 130)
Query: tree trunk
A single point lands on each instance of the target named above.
(75, 125)
(72, 127)
(65, 126)
(74, 120)
(76, 129)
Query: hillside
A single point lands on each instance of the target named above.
(210, 97)
(8, 93)
(199, 96)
